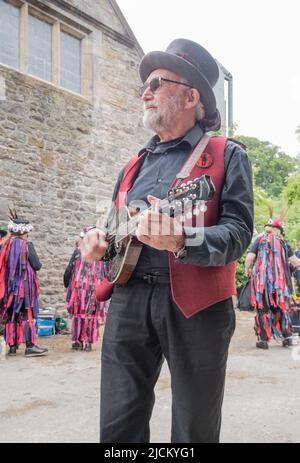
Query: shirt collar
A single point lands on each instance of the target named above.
(192, 137)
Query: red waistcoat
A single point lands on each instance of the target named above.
(194, 288)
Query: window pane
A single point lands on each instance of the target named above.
(9, 34)
(39, 48)
(70, 70)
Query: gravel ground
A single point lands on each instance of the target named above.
(56, 398)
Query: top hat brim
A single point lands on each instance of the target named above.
(163, 60)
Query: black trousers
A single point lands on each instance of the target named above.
(143, 327)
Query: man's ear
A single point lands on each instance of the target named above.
(193, 98)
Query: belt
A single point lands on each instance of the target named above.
(153, 278)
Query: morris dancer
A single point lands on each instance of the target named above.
(19, 288)
(3, 234)
(80, 278)
(271, 285)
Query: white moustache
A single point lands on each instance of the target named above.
(150, 105)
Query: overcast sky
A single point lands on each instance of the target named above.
(257, 41)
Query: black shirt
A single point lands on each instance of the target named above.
(222, 243)
(33, 257)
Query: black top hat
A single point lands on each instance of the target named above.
(191, 61)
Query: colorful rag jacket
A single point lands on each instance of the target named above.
(271, 281)
(19, 288)
(81, 301)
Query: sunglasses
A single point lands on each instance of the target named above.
(157, 82)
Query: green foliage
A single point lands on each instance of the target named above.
(240, 273)
(262, 207)
(292, 190)
(292, 223)
(271, 165)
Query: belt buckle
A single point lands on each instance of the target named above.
(150, 279)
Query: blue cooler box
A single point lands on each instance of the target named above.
(45, 324)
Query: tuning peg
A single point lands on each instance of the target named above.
(196, 211)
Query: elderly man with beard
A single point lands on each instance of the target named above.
(178, 303)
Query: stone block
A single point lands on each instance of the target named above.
(39, 143)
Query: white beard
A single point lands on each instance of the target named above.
(161, 118)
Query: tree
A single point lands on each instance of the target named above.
(291, 195)
(292, 190)
(272, 166)
(262, 206)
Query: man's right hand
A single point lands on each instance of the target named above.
(93, 246)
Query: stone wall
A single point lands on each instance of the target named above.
(60, 153)
(100, 10)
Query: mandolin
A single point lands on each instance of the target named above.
(187, 200)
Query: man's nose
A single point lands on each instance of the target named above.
(147, 95)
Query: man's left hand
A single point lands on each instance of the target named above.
(159, 230)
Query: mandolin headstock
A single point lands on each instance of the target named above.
(191, 196)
